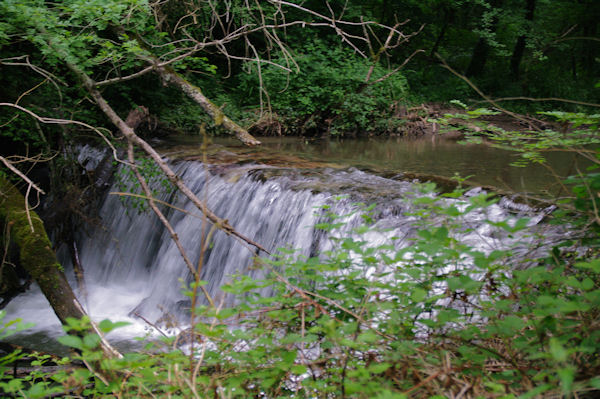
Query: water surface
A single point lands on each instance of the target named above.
(482, 163)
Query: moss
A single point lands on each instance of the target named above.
(35, 247)
(35, 251)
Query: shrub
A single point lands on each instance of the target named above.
(327, 90)
(432, 316)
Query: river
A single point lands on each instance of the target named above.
(275, 195)
(482, 164)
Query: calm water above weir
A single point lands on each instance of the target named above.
(485, 164)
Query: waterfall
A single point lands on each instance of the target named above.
(132, 267)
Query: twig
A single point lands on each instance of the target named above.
(564, 100)
(30, 184)
(307, 294)
(387, 75)
(423, 382)
(150, 324)
(20, 174)
(65, 122)
(107, 348)
(487, 98)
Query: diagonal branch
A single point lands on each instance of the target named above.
(163, 219)
(130, 135)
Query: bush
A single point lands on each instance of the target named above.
(434, 317)
(326, 91)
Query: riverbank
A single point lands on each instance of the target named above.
(416, 121)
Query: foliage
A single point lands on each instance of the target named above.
(328, 90)
(560, 58)
(436, 316)
(560, 47)
(128, 183)
(580, 131)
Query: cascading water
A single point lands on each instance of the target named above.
(133, 268)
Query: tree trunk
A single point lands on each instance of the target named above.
(440, 37)
(482, 48)
(38, 258)
(35, 252)
(519, 50)
(478, 58)
(590, 29)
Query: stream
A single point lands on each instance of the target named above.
(275, 195)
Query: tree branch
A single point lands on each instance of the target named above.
(130, 135)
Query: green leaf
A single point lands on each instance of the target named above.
(378, 368)
(448, 315)
(107, 326)
(566, 376)
(71, 341)
(418, 295)
(368, 337)
(511, 324)
(593, 265)
(298, 369)
(558, 352)
(495, 387)
(535, 392)
(288, 357)
(91, 341)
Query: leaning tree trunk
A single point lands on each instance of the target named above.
(170, 76)
(132, 137)
(38, 258)
(35, 252)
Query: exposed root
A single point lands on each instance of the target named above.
(269, 124)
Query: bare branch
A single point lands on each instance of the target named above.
(44, 119)
(51, 78)
(162, 218)
(596, 39)
(16, 171)
(563, 100)
(130, 135)
(487, 98)
(125, 78)
(387, 75)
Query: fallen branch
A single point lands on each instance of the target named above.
(562, 100)
(163, 219)
(130, 135)
(220, 119)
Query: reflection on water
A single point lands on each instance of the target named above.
(485, 164)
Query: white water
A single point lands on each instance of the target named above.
(132, 265)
